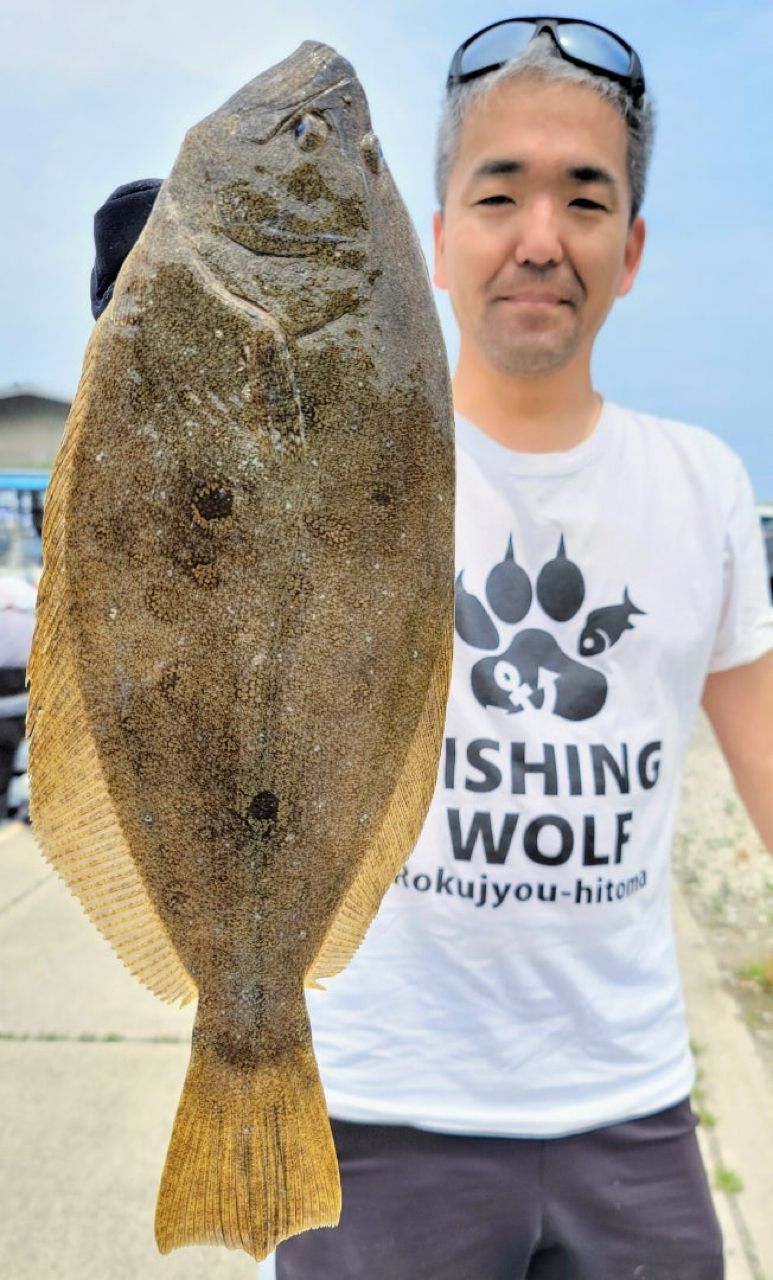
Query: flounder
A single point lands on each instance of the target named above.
(243, 641)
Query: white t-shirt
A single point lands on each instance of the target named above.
(520, 978)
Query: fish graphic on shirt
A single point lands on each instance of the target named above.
(604, 627)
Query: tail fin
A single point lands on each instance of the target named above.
(251, 1159)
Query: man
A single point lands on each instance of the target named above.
(519, 983)
(506, 1058)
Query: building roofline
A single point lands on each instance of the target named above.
(18, 389)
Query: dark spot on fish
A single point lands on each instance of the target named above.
(240, 203)
(168, 681)
(298, 584)
(352, 259)
(159, 602)
(344, 301)
(205, 575)
(354, 212)
(383, 496)
(213, 502)
(372, 278)
(178, 901)
(327, 527)
(198, 562)
(306, 183)
(262, 813)
(360, 697)
(102, 533)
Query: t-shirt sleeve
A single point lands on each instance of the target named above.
(745, 628)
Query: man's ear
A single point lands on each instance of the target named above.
(634, 248)
(438, 231)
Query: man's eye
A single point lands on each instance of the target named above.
(496, 200)
(582, 203)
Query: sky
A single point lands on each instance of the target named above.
(95, 93)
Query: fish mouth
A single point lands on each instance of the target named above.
(288, 244)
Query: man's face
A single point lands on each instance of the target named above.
(534, 244)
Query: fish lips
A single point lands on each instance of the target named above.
(280, 243)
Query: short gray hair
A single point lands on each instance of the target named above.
(541, 58)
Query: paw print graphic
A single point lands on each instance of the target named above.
(532, 666)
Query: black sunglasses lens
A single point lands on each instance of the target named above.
(596, 47)
(492, 48)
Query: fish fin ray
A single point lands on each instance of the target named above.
(398, 833)
(251, 1159)
(72, 814)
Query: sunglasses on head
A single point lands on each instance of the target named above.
(584, 43)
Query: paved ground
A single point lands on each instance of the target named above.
(726, 873)
(91, 1067)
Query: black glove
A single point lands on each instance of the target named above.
(117, 226)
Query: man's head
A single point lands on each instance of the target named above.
(540, 170)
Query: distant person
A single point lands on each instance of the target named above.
(37, 500)
(506, 1058)
(17, 623)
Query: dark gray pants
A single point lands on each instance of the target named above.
(11, 734)
(626, 1202)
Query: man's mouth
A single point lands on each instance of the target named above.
(530, 298)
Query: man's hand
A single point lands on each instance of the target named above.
(739, 704)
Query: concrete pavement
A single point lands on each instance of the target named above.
(739, 1093)
(91, 1067)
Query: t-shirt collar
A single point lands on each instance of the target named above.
(499, 457)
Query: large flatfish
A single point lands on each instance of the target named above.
(243, 641)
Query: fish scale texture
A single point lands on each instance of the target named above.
(244, 633)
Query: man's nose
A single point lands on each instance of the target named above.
(538, 234)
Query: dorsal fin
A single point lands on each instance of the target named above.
(72, 813)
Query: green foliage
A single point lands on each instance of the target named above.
(727, 1180)
(760, 972)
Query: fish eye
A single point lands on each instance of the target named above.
(310, 131)
(372, 153)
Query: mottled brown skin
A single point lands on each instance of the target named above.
(262, 561)
(244, 624)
